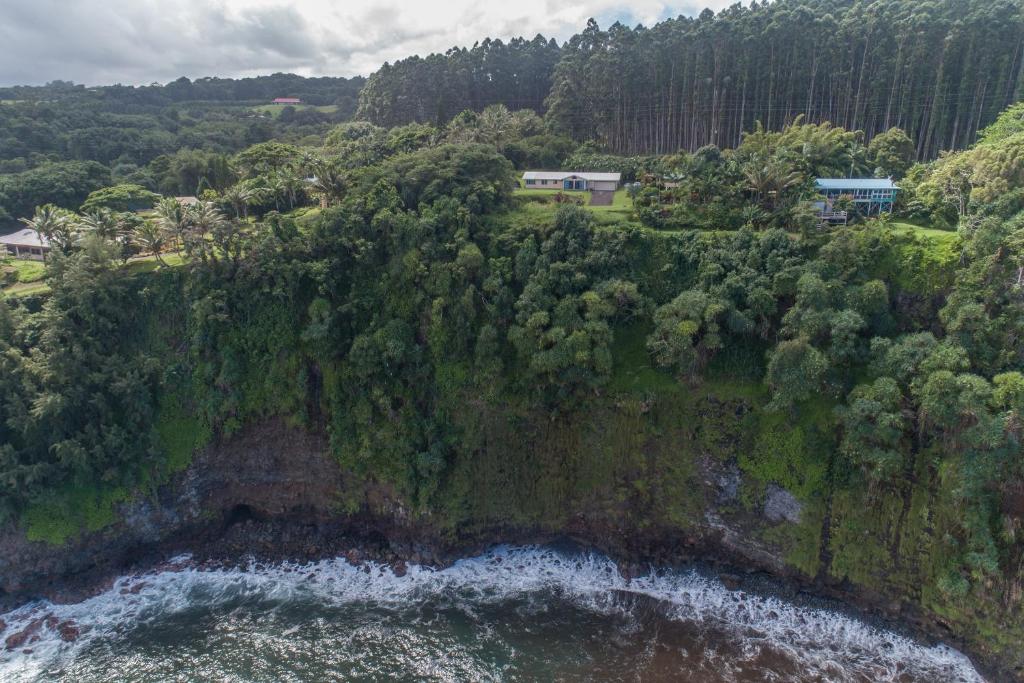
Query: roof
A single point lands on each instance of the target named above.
(287, 100)
(560, 175)
(187, 201)
(855, 184)
(26, 237)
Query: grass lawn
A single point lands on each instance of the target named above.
(25, 271)
(275, 109)
(141, 264)
(924, 231)
(620, 210)
(147, 264)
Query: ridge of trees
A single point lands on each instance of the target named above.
(938, 70)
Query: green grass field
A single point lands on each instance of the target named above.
(275, 109)
(946, 236)
(24, 271)
(620, 210)
(34, 271)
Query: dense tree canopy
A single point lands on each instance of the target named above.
(436, 88)
(939, 71)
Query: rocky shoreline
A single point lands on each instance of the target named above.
(270, 495)
(297, 540)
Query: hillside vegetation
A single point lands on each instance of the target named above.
(492, 357)
(940, 71)
(494, 364)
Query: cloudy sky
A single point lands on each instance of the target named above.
(141, 41)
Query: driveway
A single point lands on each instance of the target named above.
(601, 197)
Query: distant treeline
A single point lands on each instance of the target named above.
(318, 91)
(940, 70)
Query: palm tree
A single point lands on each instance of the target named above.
(56, 225)
(204, 219)
(102, 222)
(329, 183)
(291, 183)
(274, 189)
(769, 179)
(172, 218)
(152, 238)
(241, 197)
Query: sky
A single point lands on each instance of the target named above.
(100, 42)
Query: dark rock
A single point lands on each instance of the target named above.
(629, 570)
(16, 640)
(69, 631)
(728, 484)
(730, 581)
(399, 568)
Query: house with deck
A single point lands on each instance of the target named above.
(25, 244)
(869, 197)
(571, 181)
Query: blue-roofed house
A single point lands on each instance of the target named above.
(870, 196)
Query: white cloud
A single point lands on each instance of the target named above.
(140, 41)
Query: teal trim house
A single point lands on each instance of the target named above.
(871, 196)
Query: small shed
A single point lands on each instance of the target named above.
(25, 244)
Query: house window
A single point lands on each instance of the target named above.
(531, 182)
(12, 250)
(37, 252)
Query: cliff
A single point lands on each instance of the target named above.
(643, 481)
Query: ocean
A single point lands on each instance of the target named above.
(511, 614)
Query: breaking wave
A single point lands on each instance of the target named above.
(508, 614)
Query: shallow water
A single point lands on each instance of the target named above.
(515, 614)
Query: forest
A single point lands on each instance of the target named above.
(388, 284)
(940, 71)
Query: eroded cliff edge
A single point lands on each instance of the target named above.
(274, 491)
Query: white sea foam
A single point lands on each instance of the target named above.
(822, 640)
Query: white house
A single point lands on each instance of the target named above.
(25, 244)
(571, 180)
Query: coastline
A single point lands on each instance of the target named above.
(243, 543)
(284, 509)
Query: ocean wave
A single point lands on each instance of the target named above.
(827, 644)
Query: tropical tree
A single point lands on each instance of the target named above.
(152, 238)
(102, 222)
(56, 225)
(173, 219)
(241, 196)
(329, 183)
(207, 225)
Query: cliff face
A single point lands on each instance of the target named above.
(275, 491)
